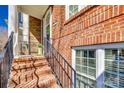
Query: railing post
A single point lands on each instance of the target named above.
(74, 79)
(6, 61)
(59, 66)
(0, 75)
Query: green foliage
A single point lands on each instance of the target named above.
(40, 45)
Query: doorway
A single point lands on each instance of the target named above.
(47, 21)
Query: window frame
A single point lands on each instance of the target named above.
(98, 48)
(67, 10)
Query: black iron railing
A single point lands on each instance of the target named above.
(6, 57)
(63, 71)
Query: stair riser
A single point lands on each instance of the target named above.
(28, 59)
(47, 84)
(28, 66)
(29, 76)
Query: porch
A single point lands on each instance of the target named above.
(21, 66)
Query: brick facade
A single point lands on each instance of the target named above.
(92, 25)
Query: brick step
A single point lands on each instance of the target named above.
(45, 81)
(28, 65)
(29, 84)
(55, 86)
(39, 71)
(24, 59)
(31, 73)
(22, 80)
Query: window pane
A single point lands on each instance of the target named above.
(92, 63)
(84, 53)
(121, 67)
(78, 68)
(48, 30)
(84, 70)
(86, 66)
(92, 54)
(114, 67)
(111, 79)
(111, 54)
(121, 81)
(48, 19)
(84, 61)
(111, 66)
(92, 72)
(78, 52)
(73, 9)
(82, 82)
(121, 54)
(92, 83)
(78, 61)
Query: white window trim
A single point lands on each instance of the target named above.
(100, 55)
(67, 10)
(44, 24)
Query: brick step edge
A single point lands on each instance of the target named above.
(28, 59)
(26, 66)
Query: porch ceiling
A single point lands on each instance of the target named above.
(33, 10)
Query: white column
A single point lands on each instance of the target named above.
(12, 25)
(100, 55)
(11, 19)
(66, 12)
(26, 27)
(73, 61)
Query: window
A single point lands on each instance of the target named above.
(73, 9)
(20, 16)
(114, 67)
(99, 65)
(86, 68)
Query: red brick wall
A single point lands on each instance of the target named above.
(35, 33)
(35, 29)
(92, 25)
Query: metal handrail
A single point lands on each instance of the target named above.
(63, 71)
(6, 61)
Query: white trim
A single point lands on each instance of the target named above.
(67, 10)
(73, 62)
(50, 25)
(44, 24)
(103, 46)
(100, 67)
(81, 7)
(73, 58)
(12, 26)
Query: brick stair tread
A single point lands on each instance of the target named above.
(39, 71)
(44, 82)
(29, 65)
(28, 59)
(29, 84)
(55, 86)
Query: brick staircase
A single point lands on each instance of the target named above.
(31, 72)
